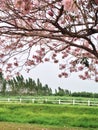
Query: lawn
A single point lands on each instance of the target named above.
(50, 115)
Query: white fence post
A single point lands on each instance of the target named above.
(88, 102)
(33, 100)
(59, 101)
(73, 102)
(8, 99)
(46, 100)
(20, 99)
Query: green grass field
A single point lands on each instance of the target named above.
(50, 115)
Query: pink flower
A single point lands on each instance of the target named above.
(80, 68)
(62, 66)
(30, 62)
(82, 77)
(65, 74)
(19, 3)
(46, 59)
(96, 78)
(9, 65)
(59, 75)
(24, 5)
(50, 13)
(0, 69)
(69, 5)
(16, 64)
(96, 1)
(1, 55)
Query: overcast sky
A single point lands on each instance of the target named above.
(48, 74)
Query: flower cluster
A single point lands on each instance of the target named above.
(23, 5)
(69, 5)
(63, 32)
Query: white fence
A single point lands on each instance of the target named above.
(51, 101)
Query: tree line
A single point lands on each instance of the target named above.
(21, 86)
(63, 92)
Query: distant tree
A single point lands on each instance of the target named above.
(50, 91)
(55, 93)
(60, 92)
(21, 86)
(30, 86)
(46, 90)
(4, 89)
(67, 92)
(17, 84)
(2, 84)
(38, 87)
(82, 94)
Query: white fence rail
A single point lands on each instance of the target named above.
(51, 101)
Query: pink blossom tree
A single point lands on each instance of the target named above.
(60, 31)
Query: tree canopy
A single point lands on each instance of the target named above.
(59, 31)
